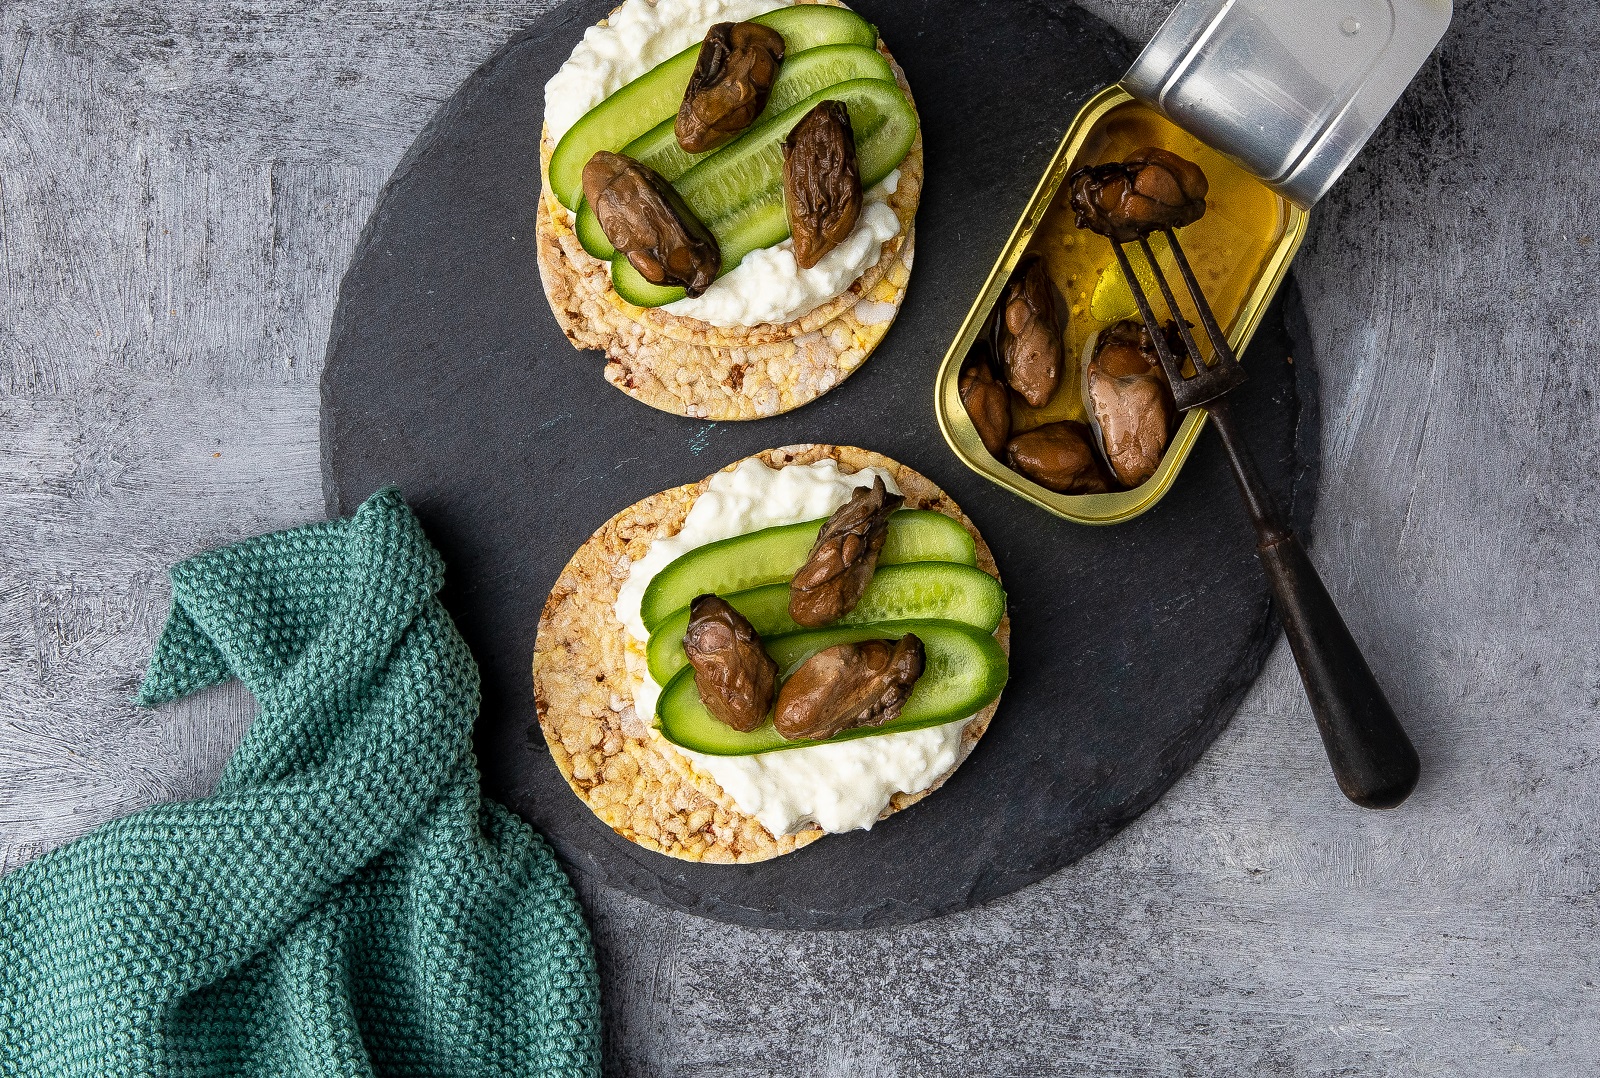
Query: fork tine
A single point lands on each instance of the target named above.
(1169, 362)
(1219, 343)
(1172, 306)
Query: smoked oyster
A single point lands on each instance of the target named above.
(986, 399)
(1059, 457)
(646, 220)
(849, 685)
(1127, 200)
(732, 79)
(1127, 392)
(735, 675)
(1028, 333)
(840, 565)
(821, 182)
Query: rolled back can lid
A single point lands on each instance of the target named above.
(1292, 89)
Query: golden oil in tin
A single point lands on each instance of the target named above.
(1242, 224)
(1239, 251)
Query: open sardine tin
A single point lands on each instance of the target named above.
(1272, 99)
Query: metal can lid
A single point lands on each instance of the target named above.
(1292, 89)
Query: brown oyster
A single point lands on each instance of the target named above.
(1125, 201)
(647, 220)
(821, 182)
(986, 399)
(840, 565)
(1128, 393)
(733, 76)
(849, 685)
(1059, 457)
(1028, 333)
(735, 675)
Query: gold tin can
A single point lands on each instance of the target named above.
(1240, 251)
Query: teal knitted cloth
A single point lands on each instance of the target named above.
(347, 903)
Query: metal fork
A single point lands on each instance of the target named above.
(1373, 759)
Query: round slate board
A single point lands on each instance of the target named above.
(1132, 645)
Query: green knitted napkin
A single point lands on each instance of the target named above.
(347, 903)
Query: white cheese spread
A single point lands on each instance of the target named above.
(839, 787)
(768, 286)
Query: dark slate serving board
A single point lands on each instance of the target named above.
(1132, 645)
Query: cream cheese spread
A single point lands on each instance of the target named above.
(839, 787)
(768, 286)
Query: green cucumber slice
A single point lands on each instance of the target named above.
(966, 671)
(655, 95)
(925, 590)
(737, 191)
(810, 26)
(591, 235)
(800, 77)
(774, 555)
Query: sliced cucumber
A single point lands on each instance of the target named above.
(810, 26)
(738, 190)
(928, 590)
(655, 95)
(966, 669)
(774, 555)
(800, 77)
(591, 235)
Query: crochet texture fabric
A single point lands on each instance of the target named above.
(347, 903)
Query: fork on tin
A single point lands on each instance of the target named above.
(1373, 759)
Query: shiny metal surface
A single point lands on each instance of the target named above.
(1292, 89)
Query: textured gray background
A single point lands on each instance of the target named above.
(181, 185)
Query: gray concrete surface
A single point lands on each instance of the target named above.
(181, 184)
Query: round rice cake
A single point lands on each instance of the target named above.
(585, 662)
(690, 367)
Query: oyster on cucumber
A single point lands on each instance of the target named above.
(733, 77)
(646, 220)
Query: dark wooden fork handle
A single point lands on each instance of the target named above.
(1372, 757)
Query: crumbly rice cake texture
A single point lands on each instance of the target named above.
(585, 662)
(692, 368)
